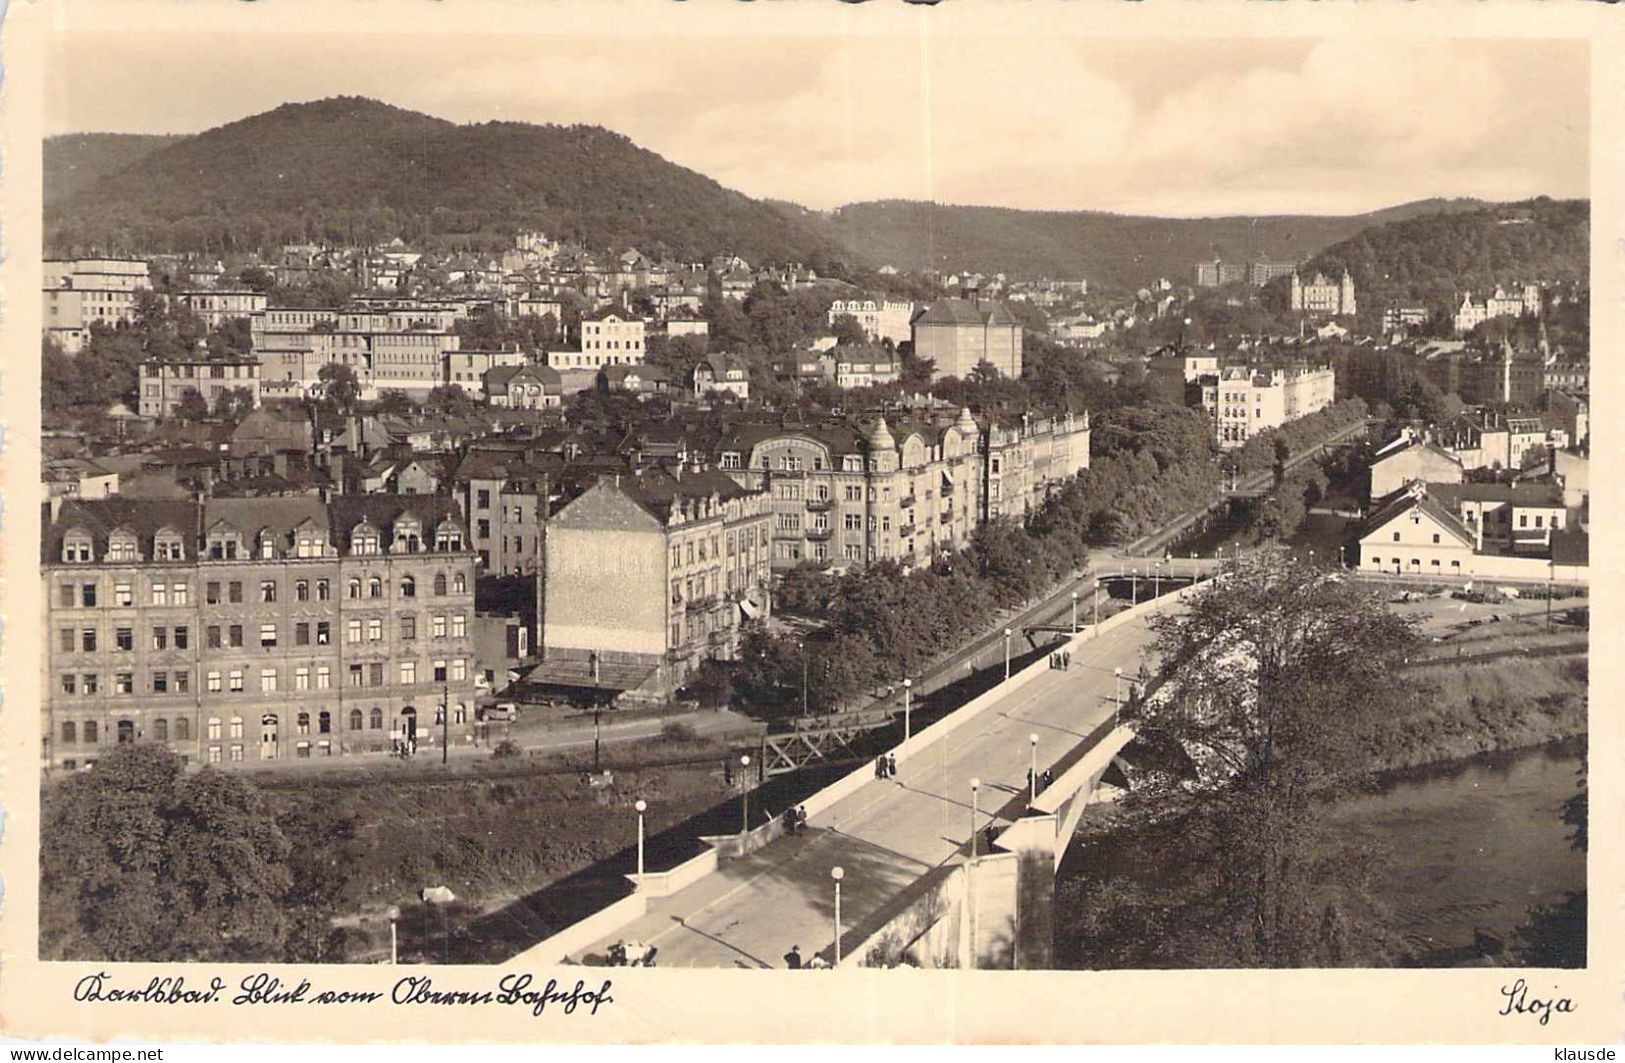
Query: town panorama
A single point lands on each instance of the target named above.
(438, 583)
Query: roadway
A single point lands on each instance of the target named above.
(887, 834)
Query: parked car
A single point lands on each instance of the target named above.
(505, 711)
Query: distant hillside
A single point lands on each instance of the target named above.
(1111, 250)
(356, 170)
(1433, 259)
(75, 161)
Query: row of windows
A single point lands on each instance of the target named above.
(701, 549)
(235, 680)
(218, 592)
(217, 636)
(89, 733)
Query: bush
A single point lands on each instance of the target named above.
(678, 731)
(507, 749)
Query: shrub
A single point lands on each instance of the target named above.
(506, 749)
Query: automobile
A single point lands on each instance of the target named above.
(505, 711)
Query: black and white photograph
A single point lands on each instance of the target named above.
(867, 496)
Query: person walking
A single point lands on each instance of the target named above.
(880, 767)
(1045, 779)
(891, 764)
(792, 959)
(801, 819)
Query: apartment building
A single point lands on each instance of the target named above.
(649, 574)
(960, 334)
(163, 384)
(80, 292)
(1323, 295)
(257, 629)
(1246, 401)
(880, 319)
(216, 306)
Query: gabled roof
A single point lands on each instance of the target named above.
(1523, 493)
(965, 312)
(1403, 501)
(383, 510)
(99, 517)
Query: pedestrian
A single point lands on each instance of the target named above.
(789, 821)
(792, 959)
(1029, 780)
(880, 767)
(1066, 660)
(801, 819)
(989, 833)
(891, 764)
(1046, 778)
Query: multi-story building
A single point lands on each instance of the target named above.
(960, 334)
(523, 387)
(1525, 301)
(1247, 401)
(1322, 295)
(467, 369)
(504, 497)
(880, 319)
(609, 336)
(216, 306)
(846, 494)
(252, 630)
(864, 367)
(391, 347)
(163, 384)
(80, 292)
(722, 372)
(1218, 272)
(650, 573)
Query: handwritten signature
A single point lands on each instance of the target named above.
(1519, 1002)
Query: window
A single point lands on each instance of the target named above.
(324, 677)
(438, 627)
(160, 730)
(234, 592)
(64, 595)
(409, 627)
(301, 590)
(124, 639)
(1435, 536)
(1396, 537)
(352, 630)
(459, 584)
(323, 633)
(375, 588)
(301, 677)
(302, 723)
(69, 732)
(355, 675)
(182, 638)
(160, 682)
(354, 588)
(87, 594)
(377, 720)
(321, 590)
(267, 636)
(440, 583)
(213, 728)
(234, 681)
(267, 590)
(160, 594)
(409, 672)
(355, 719)
(213, 683)
(301, 634)
(211, 592)
(182, 684)
(409, 587)
(234, 635)
(214, 754)
(324, 723)
(91, 736)
(123, 594)
(237, 753)
(66, 639)
(375, 629)
(124, 683)
(375, 674)
(459, 626)
(459, 670)
(160, 638)
(70, 683)
(211, 636)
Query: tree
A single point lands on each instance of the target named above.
(1275, 679)
(848, 330)
(450, 399)
(395, 403)
(232, 404)
(234, 337)
(193, 406)
(147, 863)
(339, 384)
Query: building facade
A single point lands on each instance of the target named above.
(1248, 401)
(960, 334)
(255, 630)
(880, 319)
(80, 292)
(163, 384)
(1321, 295)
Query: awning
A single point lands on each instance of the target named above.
(751, 610)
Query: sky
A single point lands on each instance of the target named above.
(1174, 127)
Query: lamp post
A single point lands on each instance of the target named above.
(1156, 580)
(394, 953)
(1007, 653)
(1193, 566)
(1118, 706)
(1097, 603)
(1032, 770)
(744, 796)
(803, 677)
(975, 786)
(837, 873)
(642, 806)
(908, 704)
(1134, 584)
(1074, 612)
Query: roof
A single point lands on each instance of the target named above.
(100, 517)
(1403, 501)
(1545, 495)
(965, 312)
(383, 510)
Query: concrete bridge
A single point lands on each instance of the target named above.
(936, 871)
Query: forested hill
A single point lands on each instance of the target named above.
(75, 161)
(1433, 259)
(1111, 250)
(355, 170)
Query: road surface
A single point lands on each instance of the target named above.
(887, 834)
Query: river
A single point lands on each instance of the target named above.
(1473, 845)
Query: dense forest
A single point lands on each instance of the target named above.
(356, 171)
(78, 160)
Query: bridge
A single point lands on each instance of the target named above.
(934, 869)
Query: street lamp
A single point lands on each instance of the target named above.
(642, 806)
(803, 677)
(1156, 580)
(975, 785)
(1074, 612)
(1118, 672)
(1032, 770)
(394, 914)
(908, 704)
(837, 873)
(1134, 584)
(744, 797)
(1097, 604)
(1007, 653)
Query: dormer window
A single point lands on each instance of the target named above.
(364, 540)
(267, 547)
(121, 546)
(77, 548)
(448, 537)
(167, 546)
(408, 536)
(224, 545)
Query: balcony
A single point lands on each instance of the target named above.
(947, 489)
(819, 505)
(906, 531)
(702, 605)
(947, 518)
(821, 534)
(906, 501)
